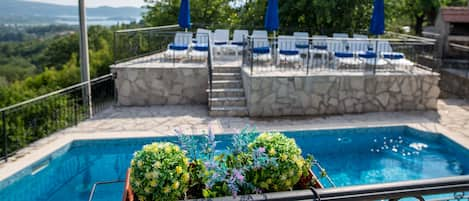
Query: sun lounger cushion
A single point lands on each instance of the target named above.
(289, 52)
(261, 50)
(343, 54)
(221, 43)
(201, 48)
(238, 43)
(302, 46)
(367, 55)
(393, 56)
(320, 47)
(178, 47)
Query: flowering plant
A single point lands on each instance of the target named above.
(268, 162)
(227, 172)
(160, 171)
(290, 166)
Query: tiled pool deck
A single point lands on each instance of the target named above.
(451, 119)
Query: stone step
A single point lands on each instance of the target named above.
(228, 112)
(228, 92)
(226, 84)
(228, 101)
(226, 69)
(226, 76)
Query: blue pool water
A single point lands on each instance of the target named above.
(351, 157)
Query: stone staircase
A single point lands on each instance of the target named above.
(228, 98)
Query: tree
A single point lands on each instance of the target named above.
(420, 12)
(60, 50)
(207, 12)
(317, 16)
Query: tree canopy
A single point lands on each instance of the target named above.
(316, 16)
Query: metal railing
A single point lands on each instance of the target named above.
(210, 74)
(134, 43)
(311, 55)
(160, 47)
(419, 189)
(26, 122)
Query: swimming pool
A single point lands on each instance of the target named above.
(350, 156)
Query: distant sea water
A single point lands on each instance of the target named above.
(96, 20)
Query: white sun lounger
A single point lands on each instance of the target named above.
(180, 47)
(220, 40)
(340, 35)
(360, 36)
(239, 40)
(287, 50)
(261, 46)
(302, 42)
(319, 47)
(342, 58)
(395, 59)
(199, 49)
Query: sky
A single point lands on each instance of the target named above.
(96, 3)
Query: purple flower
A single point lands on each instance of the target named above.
(210, 164)
(261, 150)
(238, 175)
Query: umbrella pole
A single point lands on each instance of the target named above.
(274, 49)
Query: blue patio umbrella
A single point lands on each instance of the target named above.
(377, 20)
(184, 19)
(271, 16)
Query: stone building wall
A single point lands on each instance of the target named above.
(161, 86)
(339, 94)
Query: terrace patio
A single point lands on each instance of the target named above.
(311, 82)
(451, 119)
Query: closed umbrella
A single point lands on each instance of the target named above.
(271, 20)
(271, 16)
(377, 24)
(184, 19)
(377, 20)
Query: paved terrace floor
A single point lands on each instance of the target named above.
(451, 119)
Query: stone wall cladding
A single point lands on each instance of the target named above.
(454, 85)
(339, 94)
(161, 86)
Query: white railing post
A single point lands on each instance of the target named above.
(84, 57)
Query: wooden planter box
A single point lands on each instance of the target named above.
(303, 183)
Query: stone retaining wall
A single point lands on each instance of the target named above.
(339, 94)
(161, 86)
(454, 84)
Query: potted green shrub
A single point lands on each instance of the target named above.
(290, 166)
(160, 171)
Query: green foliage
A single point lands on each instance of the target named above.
(416, 13)
(16, 68)
(165, 12)
(199, 177)
(39, 66)
(317, 17)
(160, 171)
(290, 166)
(60, 50)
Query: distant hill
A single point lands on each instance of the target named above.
(19, 11)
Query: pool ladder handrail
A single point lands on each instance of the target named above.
(102, 183)
(321, 169)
